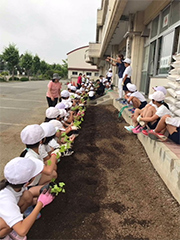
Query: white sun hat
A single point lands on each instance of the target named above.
(32, 134)
(20, 170)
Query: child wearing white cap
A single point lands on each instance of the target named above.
(148, 111)
(152, 121)
(49, 144)
(135, 97)
(109, 75)
(15, 198)
(126, 74)
(32, 136)
(168, 124)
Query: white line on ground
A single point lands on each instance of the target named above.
(12, 124)
(24, 100)
(15, 108)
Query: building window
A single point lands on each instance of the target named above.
(166, 53)
(154, 30)
(88, 74)
(175, 11)
(96, 74)
(74, 73)
(165, 20)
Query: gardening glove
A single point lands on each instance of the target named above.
(45, 198)
(74, 128)
(57, 153)
(142, 123)
(139, 118)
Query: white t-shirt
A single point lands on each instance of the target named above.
(162, 110)
(53, 143)
(109, 74)
(128, 72)
(9, 210)
(36, 157)
(44, 150)
(152, 104)
(91, 93)
(138, 95)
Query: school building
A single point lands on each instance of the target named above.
(147, 31)
(77, 64)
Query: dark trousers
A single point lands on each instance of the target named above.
(52, 103)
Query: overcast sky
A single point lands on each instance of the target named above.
(48, 28)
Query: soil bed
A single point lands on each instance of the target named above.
(112, 189)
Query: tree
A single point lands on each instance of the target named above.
(26, 62)
(36, 64)
(11, 56)
(43, 67)
(64, 69)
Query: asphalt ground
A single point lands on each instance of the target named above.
(21, 104)
(20, 100)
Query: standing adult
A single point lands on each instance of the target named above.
(53, 93)
(121, 67)
(79, 81)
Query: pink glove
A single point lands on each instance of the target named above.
(45, 198)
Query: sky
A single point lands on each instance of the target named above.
(48, 28)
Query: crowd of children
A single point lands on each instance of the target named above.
(29, 178)
(154, 119)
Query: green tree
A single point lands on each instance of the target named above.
(26, 62)
(64, 69)
(11, 56)
(36, 64)
(43, 67)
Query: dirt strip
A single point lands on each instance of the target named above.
(112, 189)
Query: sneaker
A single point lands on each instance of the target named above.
(145, 132)
(119, 99)
(15, 236)
(157, 136)
(28, 211)
(129, 128)
(137, 130)
(131, 109)
(123, 102)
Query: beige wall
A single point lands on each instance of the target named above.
(76, 59)
(77, 63)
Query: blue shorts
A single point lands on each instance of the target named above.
(175, 137)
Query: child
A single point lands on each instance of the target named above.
(162, 109)
(91, 93)
(169, 123)
(15, 198)
(135, 97)
(32, 136)
(109, 75)
(49, 144)
(148, 111)
(126, 74)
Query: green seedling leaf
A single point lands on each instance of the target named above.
(63, 134)
(63, 148)
(57, 189)
(49, 162)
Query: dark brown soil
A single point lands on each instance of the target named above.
(112, 189)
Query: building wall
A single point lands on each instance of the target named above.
(77, 64)
(147, 59)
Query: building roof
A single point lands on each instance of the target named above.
(77, 49)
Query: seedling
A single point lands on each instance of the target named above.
(57, 188)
